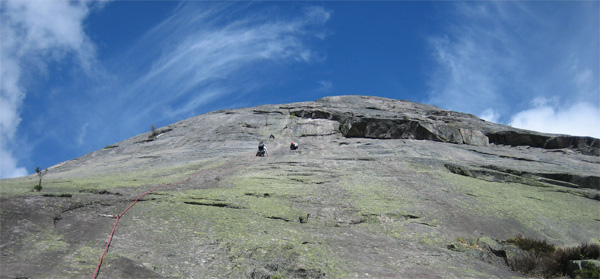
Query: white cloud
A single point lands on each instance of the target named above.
(497, 56)
(580, 119)
(34, 33)
(8, 166)
(490, 115)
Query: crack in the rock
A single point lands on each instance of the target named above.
(500, 174)
(216, 204)
(278, 218)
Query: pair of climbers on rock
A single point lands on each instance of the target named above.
(262, 149)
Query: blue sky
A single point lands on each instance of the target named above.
(77, 76)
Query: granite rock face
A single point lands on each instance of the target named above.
(378, 188)
(380, 118)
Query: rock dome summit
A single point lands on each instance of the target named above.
(378, 188)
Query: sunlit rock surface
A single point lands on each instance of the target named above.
(378, 188)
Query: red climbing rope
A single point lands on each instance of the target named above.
(118, 217)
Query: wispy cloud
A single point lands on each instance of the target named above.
(35, 33)
(196, 57)
(82, 133)
(498, 57)
(325, 86)
(202, 53)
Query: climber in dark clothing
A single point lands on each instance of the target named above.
(293, 146)
(262, 150)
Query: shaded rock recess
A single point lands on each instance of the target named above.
(391, 119)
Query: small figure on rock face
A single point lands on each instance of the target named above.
(262, 150)
(271, 136)
(293, 146)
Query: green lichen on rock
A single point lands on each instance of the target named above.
(536, 209)
(249, 229)
(335, 208)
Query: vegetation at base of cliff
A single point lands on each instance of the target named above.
(533, 245)
(542, 259)
(591, 272)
